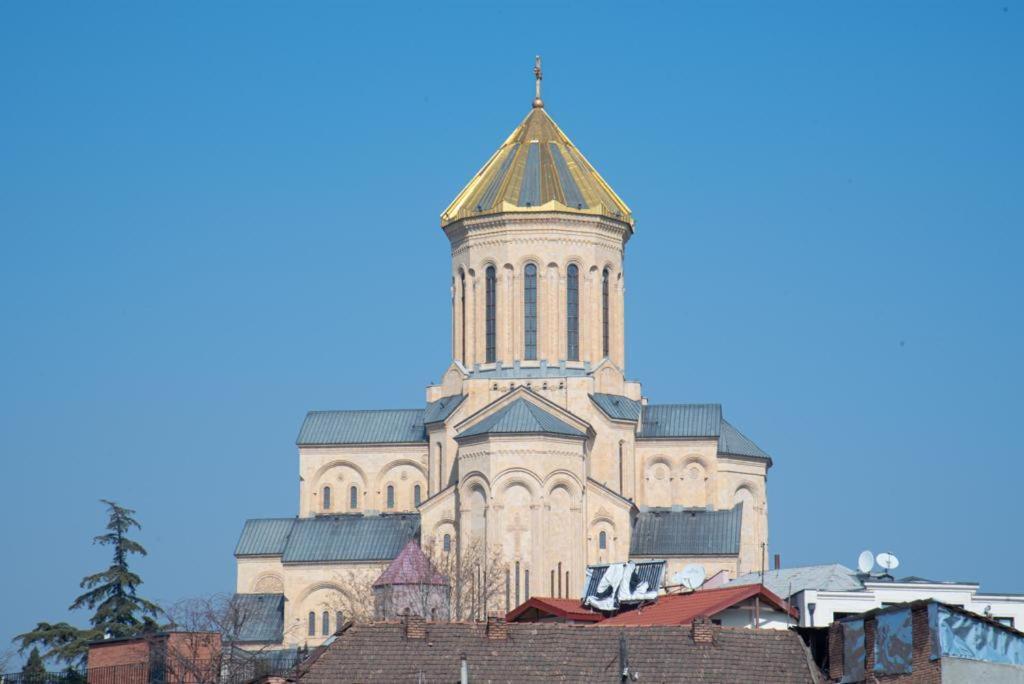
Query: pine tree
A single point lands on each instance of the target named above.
(111, 594)
(34, 670)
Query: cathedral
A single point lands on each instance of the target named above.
(535, 451)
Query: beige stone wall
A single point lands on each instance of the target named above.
(370, 469)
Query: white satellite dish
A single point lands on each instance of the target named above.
(692, 576)
(678, 577)
(865, 562)
(888, 561)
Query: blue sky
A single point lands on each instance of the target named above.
(215, 217)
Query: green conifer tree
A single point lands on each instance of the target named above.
(34, 670)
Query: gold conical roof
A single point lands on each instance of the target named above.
(537, 169)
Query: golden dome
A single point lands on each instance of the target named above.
(537, 169)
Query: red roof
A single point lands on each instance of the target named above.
(411, 566)
(540, 606)
(681, 609)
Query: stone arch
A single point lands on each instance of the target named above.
(524, 476)
(692, 489)
(658, 481)
(268, 583)
(391, 474)
(339, 474)
(565, 478)
(611, 551)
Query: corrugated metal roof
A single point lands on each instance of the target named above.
(617, 407)
(680, 420)
(391, 426)
(732, 441)
(788, 581)
(442, 408)
(264, 537)
(349, 537)
(260, 617)
(687, 532)
(521, 417)
(681, 609)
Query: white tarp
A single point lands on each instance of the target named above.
(618, 581)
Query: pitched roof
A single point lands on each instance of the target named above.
(680, 420)
(617, 407)
(411, 566)
(681, 609)
(687, 532)
(260, 617)
(543, 652)
(327, 538)
(537, 168)
(521, 417)
(789, 581)
(543, 606)
(442, 408)
(389, 426)
(732, 441)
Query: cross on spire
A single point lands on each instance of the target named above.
(539, 75)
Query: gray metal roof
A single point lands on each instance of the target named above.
(442, 408)
(521, 417)
(788, 581)
(732, 441)
(264, 537)
(680, 420)
(260, 617)
(390, 426)
(329, 538)
(617, 407)
(687, 532)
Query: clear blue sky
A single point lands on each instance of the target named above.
(197, 198)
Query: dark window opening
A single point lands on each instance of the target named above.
(530, 312)
(572, 314)
(490, 319)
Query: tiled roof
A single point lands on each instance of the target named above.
(411, 566)
(681, 609)
(521, 417)
(392, 426)
(680, 420)
(687, 532)
(442, 408)
(617, 407)
(348, 537)
(260, 617)
(540, 652)
(732, 441)
(543, 606)
(788, 581)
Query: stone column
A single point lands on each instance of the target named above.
(619, 321)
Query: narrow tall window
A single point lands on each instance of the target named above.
(312, 623)
(447, 544)
(339, 618)
(325, 629)
(530, 312)
(462, 308)
(327, 498)
(416, 493)
(602, 541)
(491, 321)
(572, 312)
(440, 467)
(391, 496)
(604, 312)
(353, 498)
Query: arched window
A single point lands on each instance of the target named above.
(602, 540)
(491, 321)
(530, 312)
(604, 312)
(339, 618)
(572, 312)
(353, 497)
(391, 496)
(416, 491)
(325, 628)
(327, 498)
(312, 623)
(447, 543)
(462, 308)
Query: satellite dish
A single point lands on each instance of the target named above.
(865, 562)
(678, 577)
(692, 576)
(888, 561)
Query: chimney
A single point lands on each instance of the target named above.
(415, 627)
(703, 630)
(497, 628)
(778, 561)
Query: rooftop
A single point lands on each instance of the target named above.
(686, 532)
(329, 538)
(789, 581)
(681, 609)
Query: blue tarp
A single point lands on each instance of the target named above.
(853, 651)
(962, 636)
(894, 643)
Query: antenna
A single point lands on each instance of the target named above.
(888, 561)
(691, 577)
(865, 562)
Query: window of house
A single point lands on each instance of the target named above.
(325, 628)
(312, 623)
(604, 312)
(572, 313)
(489, 319)
(327, 498)
(462, 308)
(339, 620)
(602, 541)
(391, 496)
(416, 495)
(447, 543)
(353, 497)
(530, 312)
(1008, 621)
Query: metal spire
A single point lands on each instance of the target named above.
(539, 75)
